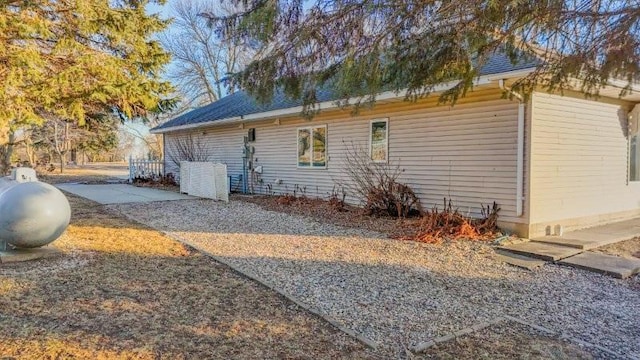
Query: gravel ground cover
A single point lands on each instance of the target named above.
(400, 293)
(125, 291)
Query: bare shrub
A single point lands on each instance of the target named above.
(287, 199)
(377, 184)
(186, 148)
(337, 199)
(436, 225)
(156, 179)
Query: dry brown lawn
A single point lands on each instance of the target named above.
(92, 173)
(124, 291)
(628, 248)
(509, 340)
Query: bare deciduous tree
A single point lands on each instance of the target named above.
(152, 142)
(186, 148)
(201, 60)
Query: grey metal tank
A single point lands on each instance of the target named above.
(32, 213)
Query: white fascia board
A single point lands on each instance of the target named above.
(621, 84)
(197, 125)
(326, 105)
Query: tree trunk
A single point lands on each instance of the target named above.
(6, 150)
(31, 154)
(61, 157)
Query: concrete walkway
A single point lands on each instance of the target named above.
(121, 193)
(571, 249)
(591, 238)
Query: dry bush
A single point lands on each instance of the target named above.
(164, 180)
(436, 225)
(299, 196)
(186, 148)
(377, 185)
(337, 199)
(287, 199)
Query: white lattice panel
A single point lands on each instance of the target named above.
(202, 180)
(185, 167)
(221, 182)
(205, 180)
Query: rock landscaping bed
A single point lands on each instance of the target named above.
(125, 291)
(398, 293)
(345, 215)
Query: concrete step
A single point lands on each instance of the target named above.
(583, 241)
(616, 266)
(539, 250)
(520, 261)
(20, 255)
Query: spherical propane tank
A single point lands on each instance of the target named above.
(32, 214)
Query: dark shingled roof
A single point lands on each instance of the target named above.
(241, 103)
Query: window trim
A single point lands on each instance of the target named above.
(326, 147)
(370, 135)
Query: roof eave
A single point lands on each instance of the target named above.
(327, 105)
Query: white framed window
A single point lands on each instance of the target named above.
(312, 147)
(634, 145)
(379, 140)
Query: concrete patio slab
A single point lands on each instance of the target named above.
(520, 261)
(549, 252)
(591, 238)
(612, 265)
(121, 193)
(20, 255)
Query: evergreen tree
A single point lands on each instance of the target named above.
(71, 60)
(360, 48)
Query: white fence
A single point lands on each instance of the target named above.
(146, 169)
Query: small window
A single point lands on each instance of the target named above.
(312, 147)
(634, 148)
(379, 140)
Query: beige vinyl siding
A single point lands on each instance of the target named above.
(526, 178)
(466, 152)
(579, 161)
(222, 145)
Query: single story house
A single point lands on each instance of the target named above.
(552, 160)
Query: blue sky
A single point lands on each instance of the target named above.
(164, 10)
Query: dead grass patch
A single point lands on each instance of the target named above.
(75, 177)
(508, 340)
(628, 248)
(133, 293)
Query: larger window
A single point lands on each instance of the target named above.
(379, 140)
(312, 147)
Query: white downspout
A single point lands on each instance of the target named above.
(519, 149)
